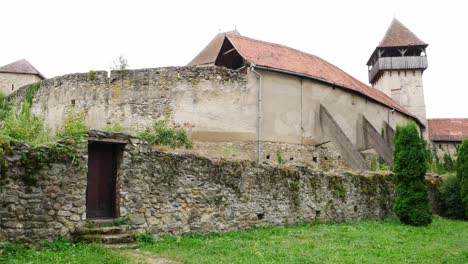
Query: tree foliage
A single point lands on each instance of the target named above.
(452, 206)
(412, 200)
(462, 173)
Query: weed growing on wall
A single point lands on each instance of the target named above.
(74, 126)
(91, 75)
(24, 126)
(412, 200)
(162, 132)
(5, 107)
(462, 173)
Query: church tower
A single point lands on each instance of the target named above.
(396, 67)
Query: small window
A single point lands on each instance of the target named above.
(440, 146)
(12, 87)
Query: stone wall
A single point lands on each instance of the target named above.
(178, 193)
(218, 107)
(42, 192)
(202, 100)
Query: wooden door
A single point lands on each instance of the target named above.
(102, 168)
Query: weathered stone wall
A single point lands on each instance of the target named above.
(218, 107)
(174, 194)
(10, 82)
(42, 192)
(178, 193)
(202, 100)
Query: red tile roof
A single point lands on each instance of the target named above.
(398, 35)
(21, 66)
(448, 129)
(279, 57)
(208, 55)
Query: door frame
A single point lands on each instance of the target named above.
(117, 154)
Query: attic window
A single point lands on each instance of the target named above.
(229, 57)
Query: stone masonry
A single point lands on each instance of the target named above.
(43, 192)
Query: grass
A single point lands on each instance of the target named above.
(67, 253)
(444, 241)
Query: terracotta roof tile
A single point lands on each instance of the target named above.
(287, 59)
(398, 35)
(210, 52)
(448, 129)
(21, 66)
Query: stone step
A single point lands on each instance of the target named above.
(108, 239)
(100, 222)
(105, 230)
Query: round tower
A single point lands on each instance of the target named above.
(396, 67)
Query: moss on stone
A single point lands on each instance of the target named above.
(336, 185)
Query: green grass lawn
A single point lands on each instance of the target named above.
(62, 252)
(445, 241)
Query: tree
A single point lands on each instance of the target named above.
(462, 173)
(409, 167)
(120, 64)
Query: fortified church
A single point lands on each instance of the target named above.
(242, 98)
(244, 103)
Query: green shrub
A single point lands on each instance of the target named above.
(74, 126)
(144, 238)
(121, 220)
(462, 173)
(25, 126)
(5, 107)
(163, 133)
(412, 200)
(449, 164)
(91, 75)
(452, 206)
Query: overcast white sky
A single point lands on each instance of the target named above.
(60, 37)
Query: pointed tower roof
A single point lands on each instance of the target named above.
(208, 55)
(398, 35)
(21, 66)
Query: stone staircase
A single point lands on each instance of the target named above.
(103, 231)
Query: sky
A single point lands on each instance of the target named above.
(61, 37)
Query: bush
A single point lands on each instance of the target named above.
(25, 126)
(163, 133)
(91, 75)
(144, 238)
(5, 107)
(412, 199)
(451, 202)
(449, 165)
(462, 173)
(74, 126)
